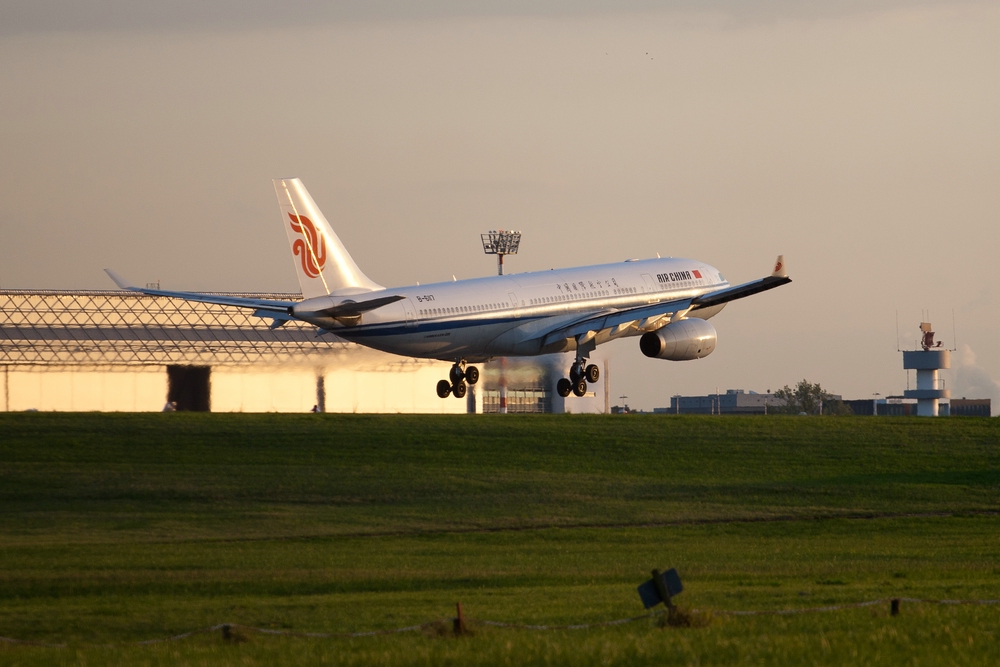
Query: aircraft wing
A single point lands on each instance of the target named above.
(650, 312)
(264, 307)
(607, 320)
(740, 291)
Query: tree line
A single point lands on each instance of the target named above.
(810, 399)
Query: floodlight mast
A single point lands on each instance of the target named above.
(499, 242)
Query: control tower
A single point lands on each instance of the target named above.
(927, 361)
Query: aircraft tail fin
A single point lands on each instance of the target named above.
(322, 263)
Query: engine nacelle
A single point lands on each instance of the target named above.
(680, 341)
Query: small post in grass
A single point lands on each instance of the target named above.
(894, 607)
(227, 635)
(459, 620)
(662, 588)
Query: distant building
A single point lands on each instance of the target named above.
(861, 406)
(528, 385)
(890, 406)
(734, 401)
(971, 407)
(530, 400)
(902, 406)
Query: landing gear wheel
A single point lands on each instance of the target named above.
(456, 374)
(460, 389)
(564, 387)
(580, 388)
(443, 388)
(575, 373)
(472, 375)
(593, 374)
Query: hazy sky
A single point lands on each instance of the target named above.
(860, 139)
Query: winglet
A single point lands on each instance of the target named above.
(121, 282)
(779, 268)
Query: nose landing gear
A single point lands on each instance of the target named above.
(579, 376)
(457, 378)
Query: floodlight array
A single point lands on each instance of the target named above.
(500, 242)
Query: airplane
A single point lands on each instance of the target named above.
(666, 302)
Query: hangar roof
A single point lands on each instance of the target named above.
(88, 328)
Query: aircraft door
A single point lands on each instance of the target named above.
(515, 304)
(411, 314)
(650, 284)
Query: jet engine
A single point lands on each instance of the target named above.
(680, 341)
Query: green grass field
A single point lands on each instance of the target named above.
(121, 528)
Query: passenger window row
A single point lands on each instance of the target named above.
(582, 295)
(455, 310)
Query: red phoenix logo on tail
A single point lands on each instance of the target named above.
(311, 247)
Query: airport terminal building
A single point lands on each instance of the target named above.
(123, 351)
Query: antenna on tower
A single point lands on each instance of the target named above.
(954, 335)
(897, 330)
(499, 242)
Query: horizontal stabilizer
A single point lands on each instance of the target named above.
(272, 313)
(354, 308)
(279, 307)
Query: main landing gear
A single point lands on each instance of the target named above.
(579, 376)
(456, 382)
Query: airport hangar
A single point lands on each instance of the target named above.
(119, 351)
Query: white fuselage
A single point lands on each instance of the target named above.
(481, 318)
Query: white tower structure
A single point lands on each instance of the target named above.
(927, 361)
